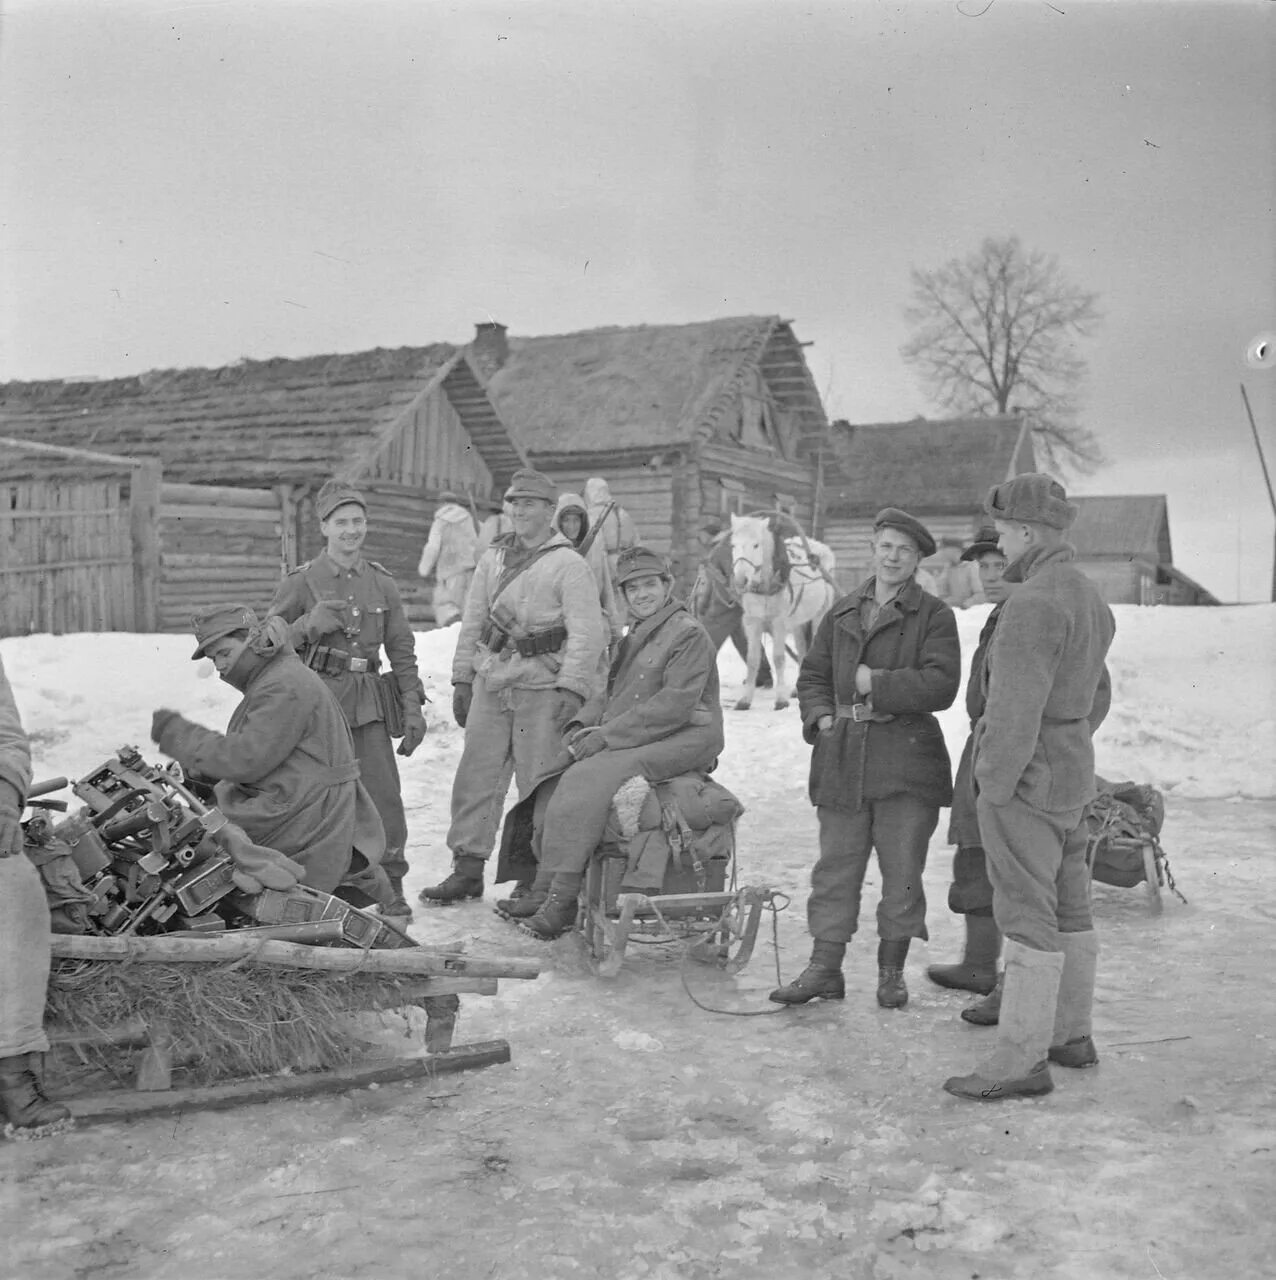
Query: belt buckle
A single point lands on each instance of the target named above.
(358, 664)
(860, 711)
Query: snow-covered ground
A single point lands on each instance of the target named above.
(635, 1134)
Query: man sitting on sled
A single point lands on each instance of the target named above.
(285, 769)
(660, 717)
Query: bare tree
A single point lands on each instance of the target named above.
(996, 332)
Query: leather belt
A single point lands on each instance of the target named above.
(337, 662)
(862, 713)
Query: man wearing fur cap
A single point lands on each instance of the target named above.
(526, 659)
(342, 610)
(884, 660)
(285, 769)
(661, 716)
(449, 556)
(1046, 691)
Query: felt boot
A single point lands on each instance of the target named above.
(522, 906)
(1072, 1045)
(1017, 1066)
(397, 909)
(891, 991)
(22, 1097)
(985, 1012)
(821, 978)
(977, 969)
(465, 882)
(556, 915)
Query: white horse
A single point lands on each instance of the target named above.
(776, 598)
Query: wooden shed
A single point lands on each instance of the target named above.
(1123, 545)
(684, 421)
(940, 471)
(243, 450)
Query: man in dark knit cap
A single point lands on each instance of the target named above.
(1045, 692)
(884, 660)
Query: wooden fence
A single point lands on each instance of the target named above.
(77, 542)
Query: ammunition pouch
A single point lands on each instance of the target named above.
(337, 662)
(550, 640)
(493, 637)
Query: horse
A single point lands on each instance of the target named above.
(785, 582)
(715, 604)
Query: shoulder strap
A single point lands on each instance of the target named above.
(509, 575)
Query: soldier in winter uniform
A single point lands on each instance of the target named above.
(526, 660)
(1045, 691)
(884, 659)
(616, 529)
(24, 939)
(449, 554)
(660, 716)
(342, 610)
(572, 520)
(285, 768)
(970, 894)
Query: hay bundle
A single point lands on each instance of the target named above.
(226, 1020)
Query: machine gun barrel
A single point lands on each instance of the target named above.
(45, 787)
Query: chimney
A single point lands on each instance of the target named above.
(490, 348)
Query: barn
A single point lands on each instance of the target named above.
(243, 449)
(1123, 546)
(685, 422)
(940, 471)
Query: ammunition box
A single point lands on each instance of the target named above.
(197, 890)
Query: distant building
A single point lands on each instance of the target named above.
(1123, 545)
(940, 471)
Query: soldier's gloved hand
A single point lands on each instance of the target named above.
(565, 707)
(414, 726)
(462, 696)
(10, 820)
(160, 720)
(326, 617)
(586, 742)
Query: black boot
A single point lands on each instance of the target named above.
(465, 882)
(821, 979)
(22, 1096)
(556, 915)
(397, 910)
(985, 1012)
(527, 899)
(891, 991)
(977, 969)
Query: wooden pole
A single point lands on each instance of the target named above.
(144, 506)
(65, 451)
(1262, 461)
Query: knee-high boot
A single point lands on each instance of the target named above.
(1072, 1045)
(977, 969)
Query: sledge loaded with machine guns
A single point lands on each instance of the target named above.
(146, 855)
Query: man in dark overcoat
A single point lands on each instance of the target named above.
(884, 660)
(1046, 690)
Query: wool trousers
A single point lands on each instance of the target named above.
(970, 893)
(899, 828)
(504, 726)
(379, 772)
(24, 957)
(1037, 865)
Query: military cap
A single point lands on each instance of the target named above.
(637, 562)
(986, 540)
(217, 621)
(334, 494)
(530, 483)
(894, 518)
(1032, 498)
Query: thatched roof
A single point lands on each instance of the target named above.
(1123, 525)
(650, 386)
(941, 467)
(258, 422)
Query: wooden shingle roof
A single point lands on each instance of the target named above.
(1123, 525)
(649, 386)
(940, 467)
(258, 422)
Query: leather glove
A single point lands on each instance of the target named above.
(462, 696)
(160, 720)
(326, 617)
(10, 820)
(257, 867)
(586, 742)
(414, 726)
(565, 707)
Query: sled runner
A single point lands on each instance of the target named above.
(1125, 821)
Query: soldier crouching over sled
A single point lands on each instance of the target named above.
(526, 660)
(285, 769)
(660, 717)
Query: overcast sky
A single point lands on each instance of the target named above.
(188, 183)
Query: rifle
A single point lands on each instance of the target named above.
(595, 529)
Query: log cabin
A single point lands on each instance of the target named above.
(243, 449)
(685, 422)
